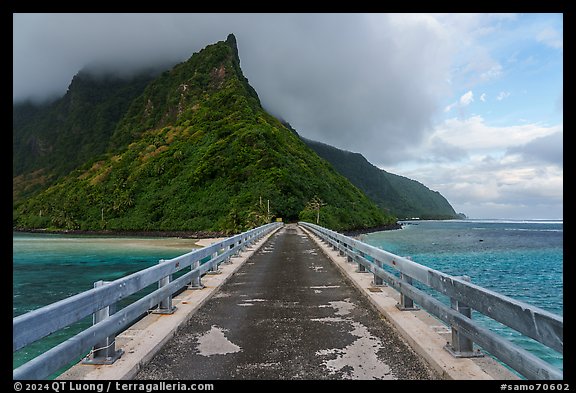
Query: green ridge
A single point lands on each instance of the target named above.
(401, 196)
(50, 140)
(196, 151)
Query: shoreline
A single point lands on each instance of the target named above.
(358, 232)
(128, 233)
(181, 234)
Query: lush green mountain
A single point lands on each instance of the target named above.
(49, 140)
(195, 151)
(402, 197)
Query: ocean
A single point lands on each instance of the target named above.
(52, 267)
(522, 259)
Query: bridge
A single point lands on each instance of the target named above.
(293, 301)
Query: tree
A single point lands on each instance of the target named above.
(315, 204)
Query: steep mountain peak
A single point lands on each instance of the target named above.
(196, 151)
(231, 41)
(191, 150)
(210, 77)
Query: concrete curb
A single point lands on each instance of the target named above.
(146, 337)
(425, 334)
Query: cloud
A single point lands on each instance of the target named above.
(473, 133)
(465, 100)
(489, 187)
(492, 72)
(371, 83)
(550, 37)
(547, 149)
(363, 82)
(521, 189)
(502, 95)
(367, 84)
(492, 171)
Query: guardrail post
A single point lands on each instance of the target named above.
(228, 259)
(335, 244)
(361, 268)
(342, 249)
(238, 248)
(462, 347)
(249, 240)
(406, 303)
(349, 255)
(104, 352)
(165, 306)
(196, 282)
(213, 266)
(378, 281)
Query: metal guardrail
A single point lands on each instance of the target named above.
(531, 321)
(100, 300)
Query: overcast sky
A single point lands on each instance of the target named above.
(470, 105)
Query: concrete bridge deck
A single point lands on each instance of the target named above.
(288, 308)
(288, 313)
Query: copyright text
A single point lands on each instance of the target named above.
(110, 386)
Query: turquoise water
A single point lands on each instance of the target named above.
(520, 259)
(48, 268)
